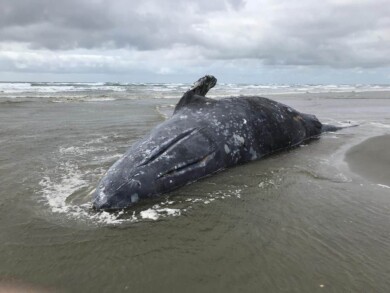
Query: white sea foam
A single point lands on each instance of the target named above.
(349, 123)
(380, 125)
(58, 186)
(99, 99)
(77, 99)
(155, 213)
(57, 191)
(383, 186)
(56, 87)
(72, 150)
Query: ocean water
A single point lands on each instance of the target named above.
(312, 219)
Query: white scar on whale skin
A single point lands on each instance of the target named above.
(134, 197)
(238, 140)
(253, 154)
(227, 149)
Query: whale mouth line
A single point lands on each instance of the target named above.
(193, 164)
(166, 146)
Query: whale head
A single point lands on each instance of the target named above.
(155, 166)
(118, 188)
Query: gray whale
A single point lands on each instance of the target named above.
(202, 137)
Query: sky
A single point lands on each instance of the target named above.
(238, 41)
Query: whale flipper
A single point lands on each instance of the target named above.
(197, 93)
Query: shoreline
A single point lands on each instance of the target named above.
(371, 159)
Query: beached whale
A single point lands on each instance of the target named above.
(202, 137)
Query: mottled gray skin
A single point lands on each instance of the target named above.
(202, 137)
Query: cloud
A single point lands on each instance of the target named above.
(20, 58)
(305, 33)
(90, 24)
(170, 36)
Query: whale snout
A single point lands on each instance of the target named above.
(110, 197)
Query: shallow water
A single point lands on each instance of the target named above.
(298, 221)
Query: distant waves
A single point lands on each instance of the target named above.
(260, 89)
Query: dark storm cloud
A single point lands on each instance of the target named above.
(336, 33)
(92, 24)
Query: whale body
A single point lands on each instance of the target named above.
(202, 137)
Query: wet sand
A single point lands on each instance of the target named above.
(297, 221)
(11, 285)
(371, 159)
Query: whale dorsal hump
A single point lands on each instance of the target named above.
(197, 92)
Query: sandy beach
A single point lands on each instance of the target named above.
(371, 159)
(297, 221)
